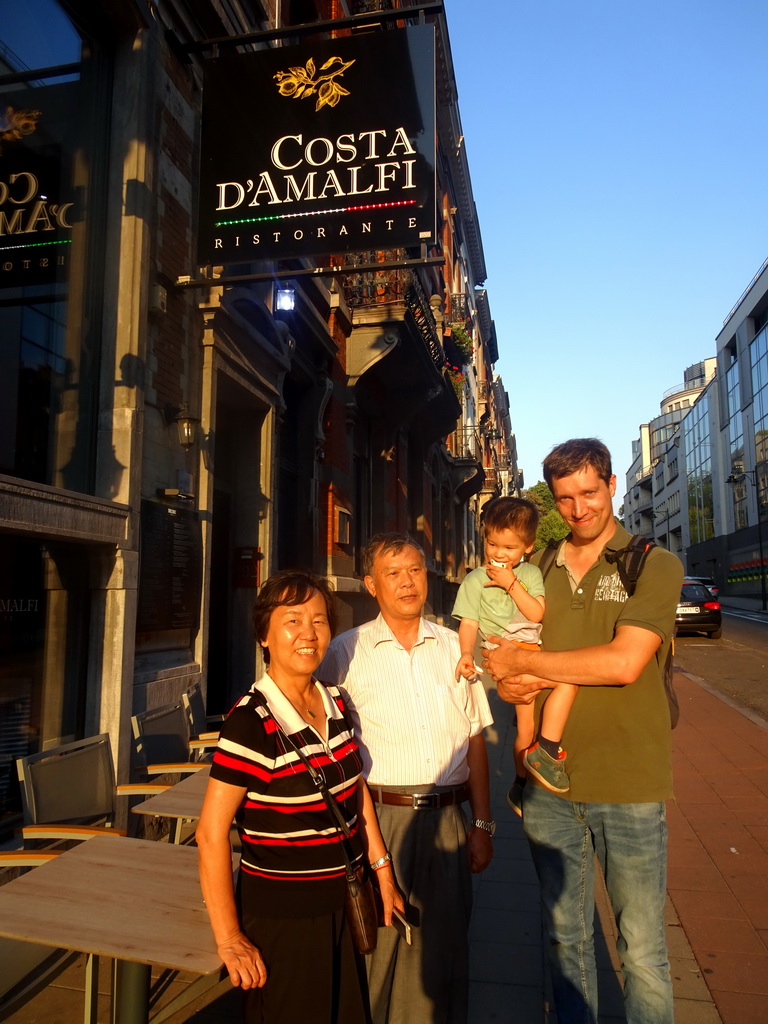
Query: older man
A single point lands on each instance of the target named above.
(421, 737)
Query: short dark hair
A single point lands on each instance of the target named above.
(382, 544)
(290, 587)
(516, 514)
(575, 455)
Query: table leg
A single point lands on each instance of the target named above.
(91, 1009)
(131, 997)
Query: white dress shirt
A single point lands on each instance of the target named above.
(413, 720)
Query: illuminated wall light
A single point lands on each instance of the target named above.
(285, 299)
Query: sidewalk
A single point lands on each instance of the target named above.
(717, 911)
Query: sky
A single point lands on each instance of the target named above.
(619, 154)
(619, 158)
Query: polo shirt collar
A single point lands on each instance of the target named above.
(619, 540)
(286, 715)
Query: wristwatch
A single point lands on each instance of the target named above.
(486, 826)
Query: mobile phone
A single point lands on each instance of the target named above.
(401, 926)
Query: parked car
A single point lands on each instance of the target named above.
(705, 581)
(698, 611)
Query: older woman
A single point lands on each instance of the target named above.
(283, 935)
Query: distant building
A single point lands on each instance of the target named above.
(725, 438)
(654, 502)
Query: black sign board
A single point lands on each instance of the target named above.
(327, 147)
(171, 569)
(37, 208)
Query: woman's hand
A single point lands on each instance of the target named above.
(390, 894)
(243, 962)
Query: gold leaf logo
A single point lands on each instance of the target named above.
(15, 124)
(301, 83)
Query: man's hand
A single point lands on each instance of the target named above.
(479, 849)
(520, 689)
(506, 659)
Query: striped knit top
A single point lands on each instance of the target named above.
(291, 862)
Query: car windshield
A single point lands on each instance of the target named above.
(695, 592)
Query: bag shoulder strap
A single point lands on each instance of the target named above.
(548, 556)
(630, 560)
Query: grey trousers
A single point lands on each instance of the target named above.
(427, 982)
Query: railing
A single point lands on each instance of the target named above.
(744, 293)
(458, 308)
(418, 304)
(374, 287)
(371, 288)
(465, 443)
(688, 385)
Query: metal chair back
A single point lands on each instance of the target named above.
(71, 783)
(194, 702)
(162, 734)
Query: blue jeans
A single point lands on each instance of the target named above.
(631, 844)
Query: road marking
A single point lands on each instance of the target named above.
(749, 616)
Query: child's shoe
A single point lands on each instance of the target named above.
(550, 771)
(515, 796)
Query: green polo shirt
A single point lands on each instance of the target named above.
(618, 738)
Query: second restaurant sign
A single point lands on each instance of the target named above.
(327, 147)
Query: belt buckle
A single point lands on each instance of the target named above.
(425, 801)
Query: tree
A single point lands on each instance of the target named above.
(551, 523)
(551, 527)
(541, 496)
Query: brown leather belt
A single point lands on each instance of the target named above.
(420, 801)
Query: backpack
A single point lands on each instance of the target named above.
(629, 562)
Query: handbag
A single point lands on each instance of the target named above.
(360, 901)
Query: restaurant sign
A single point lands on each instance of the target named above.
(326, 147)
(37, 211)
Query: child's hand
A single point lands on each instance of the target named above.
(499, 577)
(466, 667)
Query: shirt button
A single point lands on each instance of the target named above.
(579, 591)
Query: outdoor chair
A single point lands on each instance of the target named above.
(199, 721)
(69, 792)
(162, 741)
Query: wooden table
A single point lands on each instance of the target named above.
(182, 801)
(138, 902)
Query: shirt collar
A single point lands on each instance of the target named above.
(286, 715)
(381, 633)
(619, 540)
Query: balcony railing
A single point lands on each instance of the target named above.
(374, 287)
(371, 288)
(459, 311)
(465, 443)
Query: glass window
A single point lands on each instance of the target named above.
(52, 117)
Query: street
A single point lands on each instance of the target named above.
(734, 666)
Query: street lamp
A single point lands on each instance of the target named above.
(751, 475)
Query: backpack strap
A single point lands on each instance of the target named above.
(630, 560)
(548, 556)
